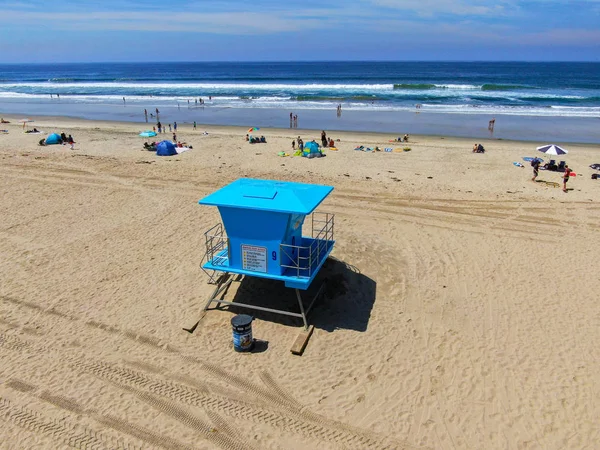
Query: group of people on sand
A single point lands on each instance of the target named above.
(403, 138)
(163, 129)
(535, 164)
(300, 144)
(478, 148)
(64, 140)
(256, 140)
(67, 139)
(325, 142)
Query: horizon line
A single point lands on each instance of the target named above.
(307, 61)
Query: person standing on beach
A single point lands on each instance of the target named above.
(566, 177)
(175, 127)
(536, 168)
(123, 101)
(291, 119)
(194, 124)
(159, 126)
(324, 138)
(169, 128)
(146, 115)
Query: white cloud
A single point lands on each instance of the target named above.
(431, 8)
(216, 23)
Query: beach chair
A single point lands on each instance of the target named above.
(561, 166)
(551, 165)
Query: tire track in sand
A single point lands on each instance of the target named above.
(58, 430)
(293, 417)
(120, 425)
(142, 384)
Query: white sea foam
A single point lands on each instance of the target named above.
(205, 86)
(466, 106)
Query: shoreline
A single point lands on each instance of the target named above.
(291, 133)
(540, 129)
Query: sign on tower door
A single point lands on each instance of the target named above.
(254, 258)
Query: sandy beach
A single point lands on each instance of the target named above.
(461, 312)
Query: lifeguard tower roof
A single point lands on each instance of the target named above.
(269, 195)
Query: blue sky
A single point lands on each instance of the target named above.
(269, 30)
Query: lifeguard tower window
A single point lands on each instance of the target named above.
(261, 231)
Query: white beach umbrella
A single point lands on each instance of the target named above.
(25, 121)
(552, 150)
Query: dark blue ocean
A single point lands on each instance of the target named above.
(367, 91)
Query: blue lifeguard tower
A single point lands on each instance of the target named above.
(261, 236)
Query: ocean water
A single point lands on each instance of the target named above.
(376, 94)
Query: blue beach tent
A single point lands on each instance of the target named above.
(166, 148)
(53, 139)
(311, 150)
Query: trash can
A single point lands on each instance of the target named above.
(242, 333)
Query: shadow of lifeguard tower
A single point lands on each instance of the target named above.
(347, 298)
(261, 236)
